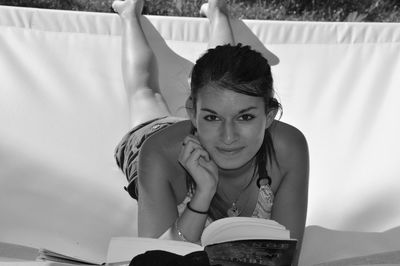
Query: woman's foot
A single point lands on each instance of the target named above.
(128, 8)
(214, 8)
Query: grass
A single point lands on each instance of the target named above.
(305, 10)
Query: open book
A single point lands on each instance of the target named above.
(228, 240)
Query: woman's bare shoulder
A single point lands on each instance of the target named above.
(286, 132)
(289, 142)
(158, 156)
(168, 139)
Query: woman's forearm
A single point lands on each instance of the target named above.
(190, 225)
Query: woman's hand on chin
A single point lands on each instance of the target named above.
(197, 161)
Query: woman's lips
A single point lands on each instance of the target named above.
(229, 151)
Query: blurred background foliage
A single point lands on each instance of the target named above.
(305, 10)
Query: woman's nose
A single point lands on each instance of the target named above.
(228, 133)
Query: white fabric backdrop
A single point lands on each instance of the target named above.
(63, 109)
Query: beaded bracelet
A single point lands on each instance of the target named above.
(196, 211)
(181, 236)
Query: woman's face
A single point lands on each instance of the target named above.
(230, 125)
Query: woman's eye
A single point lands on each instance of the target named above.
(246, 117)
(211, 118)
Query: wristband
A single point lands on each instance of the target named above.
(195, 211)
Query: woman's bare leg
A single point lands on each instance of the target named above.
(139, 65)
(220, 25)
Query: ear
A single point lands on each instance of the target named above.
(190, 110)
(271, 117)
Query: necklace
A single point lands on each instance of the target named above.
(234, 210)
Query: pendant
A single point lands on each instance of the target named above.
(233, 211)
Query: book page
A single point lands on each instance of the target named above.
(241, 228)
(34, 263)
(49, 255)
(15, 253)
(123, 249)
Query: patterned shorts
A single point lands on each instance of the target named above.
(127, 151)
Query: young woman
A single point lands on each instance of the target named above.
(231, 158)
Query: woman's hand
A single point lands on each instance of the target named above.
(196, 160)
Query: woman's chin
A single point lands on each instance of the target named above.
(229, 164)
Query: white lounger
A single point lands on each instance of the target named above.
(63, 109)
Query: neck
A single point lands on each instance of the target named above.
(238, 177)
